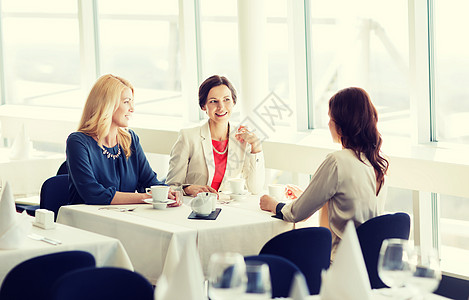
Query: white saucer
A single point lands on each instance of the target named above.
(167, 201)
(234, 196)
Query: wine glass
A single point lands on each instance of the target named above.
(426, 272)
(258, 284)
(393, 263)
(227, 276)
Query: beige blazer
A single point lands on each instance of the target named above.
(192, 161)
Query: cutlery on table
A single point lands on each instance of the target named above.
(38, 237)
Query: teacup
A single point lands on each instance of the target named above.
(237, 185)
(159, 193)
(277, 191)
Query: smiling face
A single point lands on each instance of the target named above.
(219, 104)
(125, 109)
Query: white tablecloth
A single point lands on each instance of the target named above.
(106, 250)
(146, 233)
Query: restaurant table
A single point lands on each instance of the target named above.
(107, 251)
(146, 233)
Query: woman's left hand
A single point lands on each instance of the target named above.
(244, 135)
(268, 203)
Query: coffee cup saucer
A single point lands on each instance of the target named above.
(167, 201)
(240, 196)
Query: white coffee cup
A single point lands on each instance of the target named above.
(159, 193)
(237, 185)
(277, 191)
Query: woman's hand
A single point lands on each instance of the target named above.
(172, 195)
(244, 135)
(268, 203)
(194, 189)
(293, 192)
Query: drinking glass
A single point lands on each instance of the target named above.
(426, 272)
(258, 284)
(393, 263)
(227, 276)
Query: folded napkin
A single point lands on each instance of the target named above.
(21, 148)
(187, 279)
(299, 289)
(14, 227)
(347, 278)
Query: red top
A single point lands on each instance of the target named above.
(220, 162)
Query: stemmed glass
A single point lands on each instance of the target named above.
(227, 276)
(258, 284)
(426, 272)
(393, 264)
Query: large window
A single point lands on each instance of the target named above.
(361, 43)
(451, 70)
(140, 42)
(41, 52)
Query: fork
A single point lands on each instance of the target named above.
(121, 209)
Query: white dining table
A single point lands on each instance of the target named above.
(107, 251)
(146, 233)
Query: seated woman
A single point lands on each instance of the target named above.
(106, 163)
(349, 183)
(205, 157)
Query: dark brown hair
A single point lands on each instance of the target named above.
(212, 82)
(356, 121)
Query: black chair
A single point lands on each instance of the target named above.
(371, 235)
(308, 248)
(102, 283)
(33, 278)
(282, 272)
(62, 169)
(54, 193)
(31, 209)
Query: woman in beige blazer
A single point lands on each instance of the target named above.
(348, 185)
(205, 157)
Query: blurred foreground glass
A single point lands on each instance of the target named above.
(227, 276)
(393, 264)
(258, 284)
(426, 272)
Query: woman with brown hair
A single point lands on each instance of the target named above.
(348, 185)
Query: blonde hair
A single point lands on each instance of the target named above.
(102, 102)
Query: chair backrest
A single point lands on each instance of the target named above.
(102, 283)
(371, 235)
(308, 248)
(54, 193)
(62, 169)
(282, 272)
(33, 278)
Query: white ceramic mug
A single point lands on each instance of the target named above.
(159, 193)
(277, 191)
(237, 185)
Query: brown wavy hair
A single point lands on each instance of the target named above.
(356, 121)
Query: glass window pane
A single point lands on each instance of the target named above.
(220, 49)
(364, 43)
(145, 50)
(451, 70)
(454, 234)
(41, 53)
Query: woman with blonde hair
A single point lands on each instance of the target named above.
(348, 185)
(105, 160)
